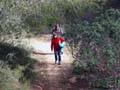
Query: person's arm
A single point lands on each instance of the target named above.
(62, 40)
(52, 45)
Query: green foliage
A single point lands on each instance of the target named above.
(12, 54)
(92, 31)
(77, 70)
(107, 83)
(16, 65)
(9, 79)
(94, 38)
(92, 35)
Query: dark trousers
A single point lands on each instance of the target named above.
(57, 54)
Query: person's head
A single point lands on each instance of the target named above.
(55, 35)
(58, 35)
(56, 26)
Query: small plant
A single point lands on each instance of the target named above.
(77, 70)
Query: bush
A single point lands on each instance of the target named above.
(95, 42)
(18, 63)
(13, 55)
(9, 79)
(77, 70)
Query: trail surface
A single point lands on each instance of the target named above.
(49, 76)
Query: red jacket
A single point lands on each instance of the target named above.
(55, 43)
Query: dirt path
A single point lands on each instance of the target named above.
(50, 76)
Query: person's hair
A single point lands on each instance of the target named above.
(56, 25)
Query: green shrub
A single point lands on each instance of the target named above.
(107, 83)
(77, 70)
(9, 79)
(15, 57)
(95, 39)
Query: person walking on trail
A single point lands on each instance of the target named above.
(57, 40)
(57, 29)
(61, 31)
